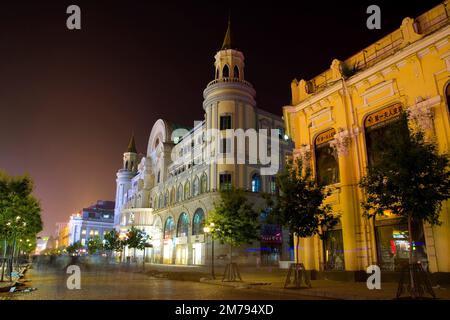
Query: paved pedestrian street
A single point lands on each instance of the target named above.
(119, 284)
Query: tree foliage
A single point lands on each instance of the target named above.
(136, 238)
(94, 245)
(113, 242)
(235, 220)
(299, 202)
(73, 248)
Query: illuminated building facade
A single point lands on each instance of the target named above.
(170, 191)
(334, 120)
(95, 220)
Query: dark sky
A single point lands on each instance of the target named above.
(69, 100)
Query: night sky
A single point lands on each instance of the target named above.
(69, 100)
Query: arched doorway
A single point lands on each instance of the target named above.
(198, 237)
(155, 239)
(182, 235)
(169, 232)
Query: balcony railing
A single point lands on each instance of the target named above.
(229, 80)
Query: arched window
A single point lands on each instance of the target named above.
(169, 228)
(160, 202)
(196, 186)
(166, 198)
(187, 190)
(204, 183)
(159, 177)
(327, 165)
(126, 164)
(180, 193)
(183, 225)
(172, 196)
(256, 183)
(236, 72)
(198, 222)
(155, 202)
(225, 72)
(377, 131)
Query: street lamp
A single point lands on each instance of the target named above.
(208, 231)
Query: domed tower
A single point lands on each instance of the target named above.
(229, 103)
(124, 176)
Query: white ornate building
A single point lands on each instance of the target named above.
(169, 191)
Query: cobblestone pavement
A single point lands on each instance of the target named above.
(116, 284)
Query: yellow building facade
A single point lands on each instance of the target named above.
(334, 120)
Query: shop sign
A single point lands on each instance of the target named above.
(383, 115)
(271, 233)
(325, 137)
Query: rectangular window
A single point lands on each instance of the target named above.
(225, 181)
(225, 122)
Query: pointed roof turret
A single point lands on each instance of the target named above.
(227, 43)
(132, 145)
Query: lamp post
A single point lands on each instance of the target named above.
(208, 231)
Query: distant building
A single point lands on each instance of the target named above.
(41, 244)
(96, 220)
(62, 235)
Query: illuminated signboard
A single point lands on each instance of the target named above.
(325, 137)
(389, 113)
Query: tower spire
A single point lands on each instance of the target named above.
(132, 145)
(227, 44)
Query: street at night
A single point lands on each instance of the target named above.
(120, 285)
(212, 152)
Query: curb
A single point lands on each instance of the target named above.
(299, 293)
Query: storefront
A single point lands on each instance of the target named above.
(198, 237)
(271, 243)
(333, 250)
(181, 256)
(168, 242)
(393, 244)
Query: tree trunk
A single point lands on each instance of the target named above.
(11, 259)
(411, 257)
(297, 258)
(5, 247)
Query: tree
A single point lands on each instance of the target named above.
(113, 243)
(410, 180)
(136, 239)
(299, 205)
(20, 217)
(235, 222)
(94, 245)
(73, 248)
